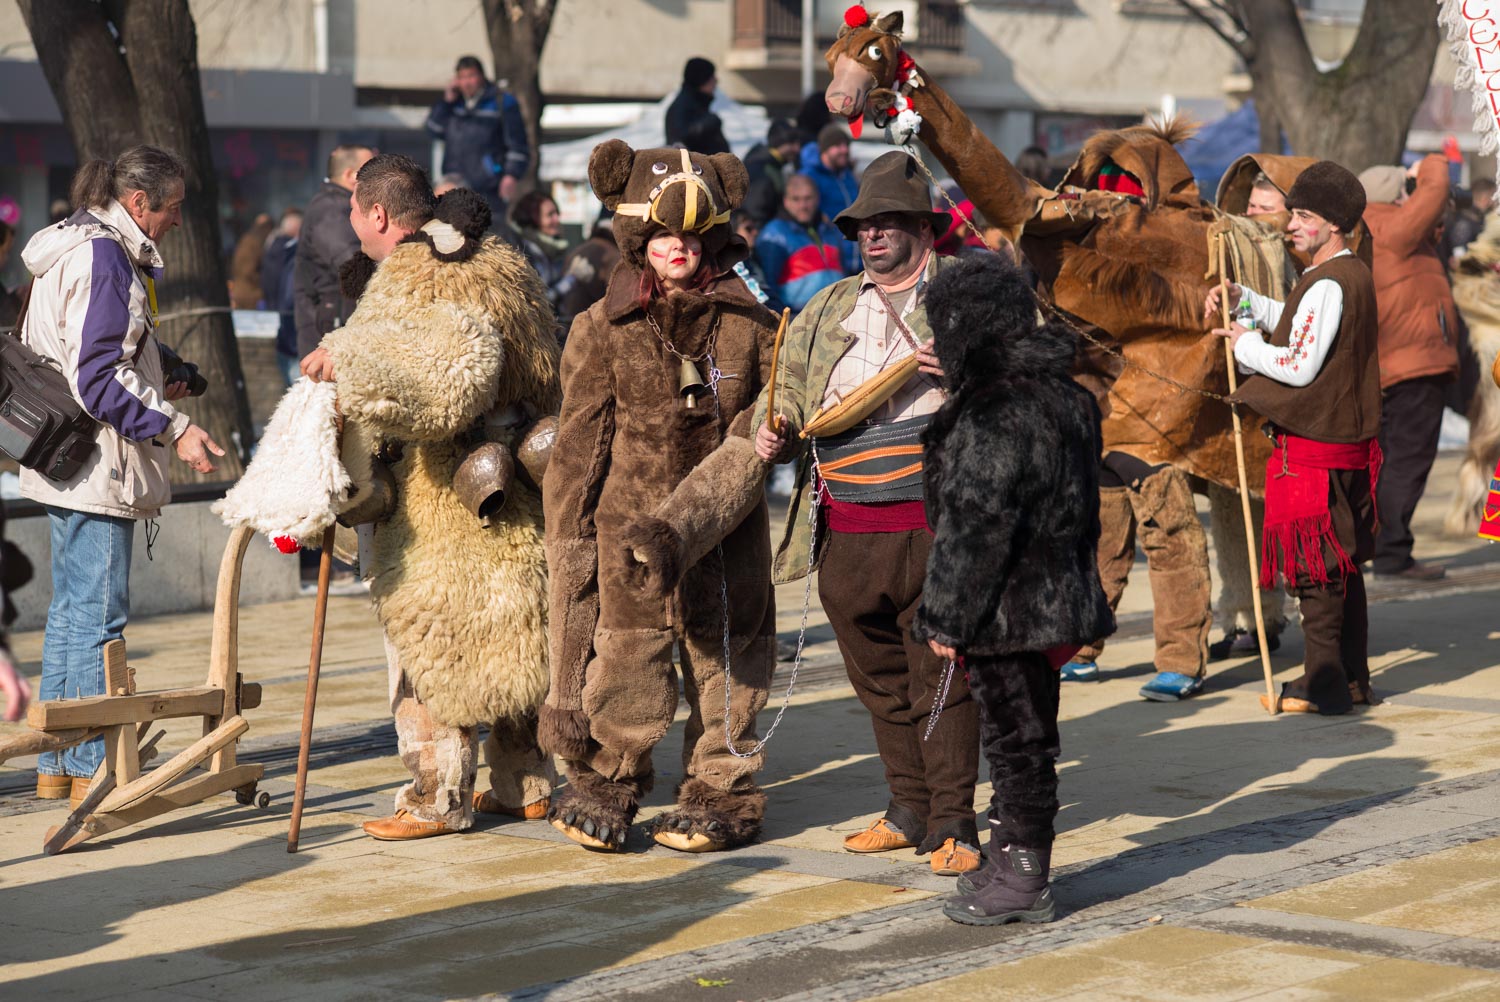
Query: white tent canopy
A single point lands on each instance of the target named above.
(744, 126)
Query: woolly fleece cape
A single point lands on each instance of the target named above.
(437, 356)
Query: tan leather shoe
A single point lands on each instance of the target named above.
(404, 826)
(882, 836)
(485, 803)
(953, 858)
(52, 787)
(77, 790)
(1290, 704)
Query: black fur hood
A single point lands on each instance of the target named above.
(984, 321)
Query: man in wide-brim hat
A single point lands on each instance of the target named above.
(858, 383)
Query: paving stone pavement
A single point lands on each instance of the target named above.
(1206, 851)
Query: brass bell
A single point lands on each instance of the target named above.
(690, 385)
(482, 479)
(377, 502)
(534, 450)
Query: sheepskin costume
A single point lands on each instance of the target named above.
(452, 344)
(297, 483)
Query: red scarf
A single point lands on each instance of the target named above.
(1298, 521)
(1489, 515)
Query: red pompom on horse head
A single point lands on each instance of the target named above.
(857, 16)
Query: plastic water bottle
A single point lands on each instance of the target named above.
(1243, 316)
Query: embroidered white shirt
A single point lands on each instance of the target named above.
(1313, 330)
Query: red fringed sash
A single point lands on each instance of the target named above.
(1298, 521)
(1489, 516)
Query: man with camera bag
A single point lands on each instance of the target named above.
(93, 314)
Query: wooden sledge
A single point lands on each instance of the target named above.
(122, 794)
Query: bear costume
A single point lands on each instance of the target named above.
(1012, 584)
(451, 346)
(655, 507)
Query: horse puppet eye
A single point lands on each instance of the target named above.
(658, 168)
(697, 169)
(874, 52)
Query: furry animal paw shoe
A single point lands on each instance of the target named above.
(592, 823)
(707, 819)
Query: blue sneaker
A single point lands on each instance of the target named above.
(1080, 671)
(1170, 686)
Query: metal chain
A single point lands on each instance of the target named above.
(1056, 314)
(812, 518)
(937, 708)
(708, 352)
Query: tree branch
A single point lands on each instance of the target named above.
(1243, 50)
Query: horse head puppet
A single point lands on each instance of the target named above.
(669, 189)
(868, 65)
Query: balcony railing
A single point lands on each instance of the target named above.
(766, 24)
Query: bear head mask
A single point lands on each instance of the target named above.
(669, 189)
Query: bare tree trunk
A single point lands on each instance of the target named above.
(98, 58)
(518, 31)
(1269, 124)
(1357, 113)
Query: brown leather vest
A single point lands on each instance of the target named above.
(1342, 403)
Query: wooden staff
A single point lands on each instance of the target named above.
(771, 422)
(310, 698)
(1239, 455)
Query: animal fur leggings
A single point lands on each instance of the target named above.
(442, 760)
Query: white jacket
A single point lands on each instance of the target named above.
(91, 315)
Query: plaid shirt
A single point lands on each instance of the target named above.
(815, 344)
(877, 343)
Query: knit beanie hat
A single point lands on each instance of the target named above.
(697, 72)
(1382, 184)
(831, 135)
(1330, 191)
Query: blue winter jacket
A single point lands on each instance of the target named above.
(483, 142)
(800, 260)
(836, 190)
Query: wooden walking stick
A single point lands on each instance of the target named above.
(786, 315)
(1239, 455)
(310, 698)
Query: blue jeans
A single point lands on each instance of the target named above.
(90, 602)
(290, 366)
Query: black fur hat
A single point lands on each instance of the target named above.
(983, 315)
(1332, 192)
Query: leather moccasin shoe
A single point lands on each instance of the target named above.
(486, 803)
(52, 787)
(1290, 704)
(1416, 571)
(953, 858)
(403, 827)
(882, 836)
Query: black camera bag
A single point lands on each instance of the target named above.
(42, 426)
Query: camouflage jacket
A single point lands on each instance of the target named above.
(814, 343)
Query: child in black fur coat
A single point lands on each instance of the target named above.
(1012, 584)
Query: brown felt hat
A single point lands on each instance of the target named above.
(892, 184)
(1332, 192)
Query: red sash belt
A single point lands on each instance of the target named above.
(1298, 520)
